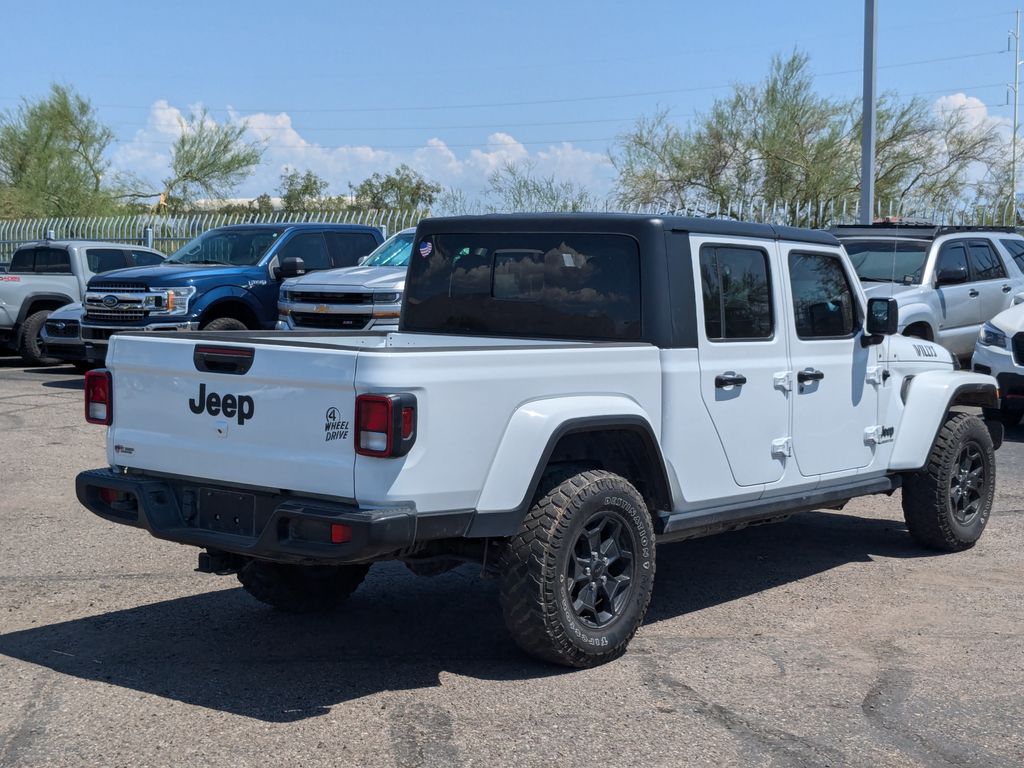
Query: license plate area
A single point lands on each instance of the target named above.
(227, 512)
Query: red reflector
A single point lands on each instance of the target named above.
(407, 419)
(340, 533)
(109, 495)
(98, 397)
(374, 414)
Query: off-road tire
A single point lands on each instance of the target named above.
(1005, 417)
(30, 347)
(301, 588)
(928, 504)
(226, 324)
(534, 581)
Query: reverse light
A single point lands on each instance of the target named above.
(99, 397)
(385, 425)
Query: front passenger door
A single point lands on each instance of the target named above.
(959, 303)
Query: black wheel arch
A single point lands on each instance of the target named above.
(233, 308)
(623, 444)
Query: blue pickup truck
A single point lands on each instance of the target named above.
(227, 279)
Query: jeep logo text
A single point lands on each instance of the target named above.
(240, 406)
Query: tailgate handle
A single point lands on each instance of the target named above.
(236, 360)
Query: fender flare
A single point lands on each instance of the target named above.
(928, 397)
(227, 294)
(531, 437)
(34, 297)
(918, 313)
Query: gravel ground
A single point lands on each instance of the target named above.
(827, 640)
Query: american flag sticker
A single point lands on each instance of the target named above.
(426, 249)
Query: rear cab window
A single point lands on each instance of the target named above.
(41, 261)
(524, 284)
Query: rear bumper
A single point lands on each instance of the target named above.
(279, 527)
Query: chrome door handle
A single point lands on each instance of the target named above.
(809, 375)
(730, 380)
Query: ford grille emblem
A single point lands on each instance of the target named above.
(110, 302)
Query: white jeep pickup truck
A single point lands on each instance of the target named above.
(563, 392)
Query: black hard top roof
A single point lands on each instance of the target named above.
(911, 231)
(627, 223)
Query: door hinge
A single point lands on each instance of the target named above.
(782, 447)
(783, 380)
(874, 375)
(878, 434)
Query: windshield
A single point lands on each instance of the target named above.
(229, 247)
(392, 253)
(885, 261)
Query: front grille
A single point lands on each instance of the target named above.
(330, 298)
(118, 287)
(1018, 349)
(334, 322)
(98, 334)
(114, 315)
(62, 329)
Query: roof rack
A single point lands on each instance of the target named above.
(912, 228)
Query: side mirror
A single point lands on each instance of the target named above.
(953, 276)
(883, 317)
(291, 266)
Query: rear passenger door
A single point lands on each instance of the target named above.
(741, 353)
(990, 279)
(834, 401)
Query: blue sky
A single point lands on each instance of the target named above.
(456, 88)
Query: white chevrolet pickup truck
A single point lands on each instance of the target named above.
(563, 392)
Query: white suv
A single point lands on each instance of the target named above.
(948, 281)
(1000, 353)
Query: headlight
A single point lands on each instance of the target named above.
(990, 336)
(169, 301)
(387, 298)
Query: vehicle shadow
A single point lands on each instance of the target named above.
(76, 383)
(224, 651)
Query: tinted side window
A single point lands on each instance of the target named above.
(145, 258)
(1016, 249)
(23, 261)
(822, 298)
(308, 246)
(737, 293)
(105, 259)
(347, 248)
(985, 261)
(53, 261)
(544, 285)
(953, 256)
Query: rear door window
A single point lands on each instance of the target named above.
(105, 259)
(52, 261)
(347, 248)
(23, 262)
(737, 293)
(985, 261)
(544, 285)
(1016, 249)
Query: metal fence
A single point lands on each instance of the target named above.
(168, 233)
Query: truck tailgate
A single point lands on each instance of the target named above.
(285, 422)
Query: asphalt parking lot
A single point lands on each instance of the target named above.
(826, 640)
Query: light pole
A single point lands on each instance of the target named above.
(1015, 34)
(867, 139)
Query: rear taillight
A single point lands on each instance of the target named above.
(385, 425)
(99, 397)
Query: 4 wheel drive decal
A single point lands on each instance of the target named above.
(240, 406)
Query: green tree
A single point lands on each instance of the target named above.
(516, 187)
(780, 142)
(402, 188)
(53, 157)
(303, 192)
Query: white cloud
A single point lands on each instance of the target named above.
(147, 155)
(974, 110)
